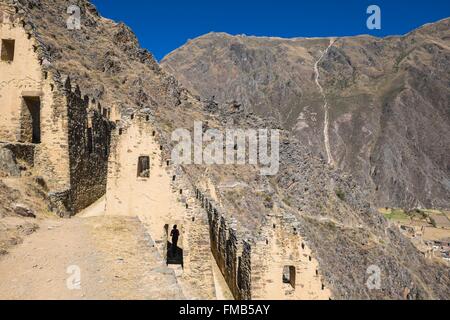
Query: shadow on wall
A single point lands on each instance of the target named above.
(174, 254)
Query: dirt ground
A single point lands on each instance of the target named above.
(114, 257)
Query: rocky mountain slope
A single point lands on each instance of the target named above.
(376, 108)
(104, 59)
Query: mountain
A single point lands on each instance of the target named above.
(376, 108)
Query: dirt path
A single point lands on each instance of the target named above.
(326, 126)
(112, 254)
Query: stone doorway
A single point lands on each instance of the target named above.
(174, 251)
(30, 120)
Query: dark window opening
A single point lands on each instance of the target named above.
(147, 118)
(8, 50)
(31, 120)
(144, 167)
(120, 131)
(174, 178)
(289, 275)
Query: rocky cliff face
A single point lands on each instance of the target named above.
(376, 108)
(345, 234)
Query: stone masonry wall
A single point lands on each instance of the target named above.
(232, 254)
(253, 268)
(281, 251)
(74, 169)
(89, 147)
(160, 199)
(26, 76)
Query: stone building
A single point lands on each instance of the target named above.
(43, 115)
(142, 181)
(277, 264)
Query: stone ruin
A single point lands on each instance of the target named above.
(83, 154)
(142, 179)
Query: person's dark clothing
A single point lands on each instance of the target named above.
(175, 234)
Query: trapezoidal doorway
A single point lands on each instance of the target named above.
(30, 120)
(174, 248)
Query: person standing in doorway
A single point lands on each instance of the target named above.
(175, 234)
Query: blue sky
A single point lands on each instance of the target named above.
(165, 25)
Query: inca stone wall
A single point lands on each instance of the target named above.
(25, 77)
(284, 265)
(130, 194)
(256, 268)
(89, 147)
(41, 110)
(232, 254)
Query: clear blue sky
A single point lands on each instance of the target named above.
(165, 25)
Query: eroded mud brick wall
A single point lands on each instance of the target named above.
(23, 78)
(139, 182)
(232, 254)
(283, 265)
(89, 147)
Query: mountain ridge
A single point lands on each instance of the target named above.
(274, 78)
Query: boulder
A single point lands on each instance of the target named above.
(24, 211)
